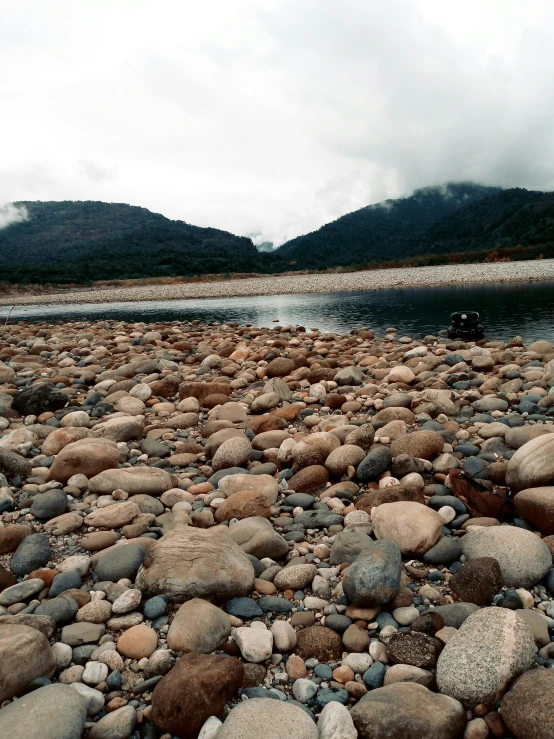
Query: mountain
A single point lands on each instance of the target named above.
(383, 231)
(510, 219)
(71, 241)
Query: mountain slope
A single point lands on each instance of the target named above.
(72, 241)
(508, 219)
(378, 232)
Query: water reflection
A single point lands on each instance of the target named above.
(506, 310)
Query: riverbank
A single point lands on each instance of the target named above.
(459, 274)
(292, 517)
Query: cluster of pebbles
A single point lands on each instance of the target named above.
(229, 532)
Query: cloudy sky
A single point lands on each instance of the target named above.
(271, 117)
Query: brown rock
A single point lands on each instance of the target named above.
(138, 642)
(207, 681)
(280, 367)
(242, 505)
(81, 597)
(200, 390)
(86, 457)
(113, 516)
(254, 675)
(355, 639)
(422, 444)
(45, 575)
(478, 581)
(536, 505)
(60, 438)
(319, 642)
(375, 498)
(6, 579)
(408, 710)
(428, 623)
(12, 536)
(309, 480)
(213, 400)
(98, 540)
(190, 562)
(25, 654)
(167, 387)
(415, 648)
(527, 707)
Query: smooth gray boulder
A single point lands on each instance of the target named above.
(523, 557)
(491, 648)
(53, 712)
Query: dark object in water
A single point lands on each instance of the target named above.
(465, 325)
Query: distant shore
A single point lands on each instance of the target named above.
(450, 274)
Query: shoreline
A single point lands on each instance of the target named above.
(406, 277)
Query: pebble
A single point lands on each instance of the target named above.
(313, 595)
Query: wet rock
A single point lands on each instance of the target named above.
(31, 554)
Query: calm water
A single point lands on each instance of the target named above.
(506, 310)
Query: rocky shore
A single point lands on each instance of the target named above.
(229, 532)
(377, 279)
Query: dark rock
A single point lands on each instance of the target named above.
(376, 462)
(428, 623)
(374, 676)
(478, 581)
(65, 581)
(446, 550)
(348, 545)
(32, 554)
(319, 519)
(50, 504)
(275, 604)
(416, 648)
(455, 614)
(243, 608)
(37, 399)
(120, 562)
(374, 578)
(14, 465)
(62, 610)
(337, 622)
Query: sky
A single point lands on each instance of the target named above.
(269, 118)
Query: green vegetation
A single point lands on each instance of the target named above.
(378, 233)
(82, 242)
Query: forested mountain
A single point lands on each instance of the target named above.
(506, 220)
(382, 231)
(70, 241)
(81, 242)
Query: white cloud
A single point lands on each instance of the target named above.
(10, 213)
(271, 117)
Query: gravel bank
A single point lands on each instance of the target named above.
(300, 284)
(305, 534)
